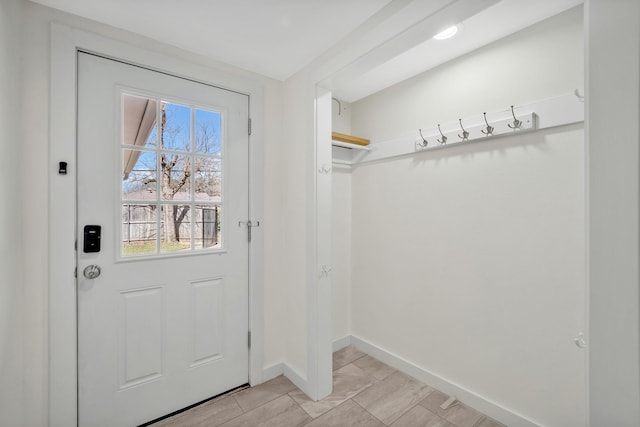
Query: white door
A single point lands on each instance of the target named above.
(162, 190)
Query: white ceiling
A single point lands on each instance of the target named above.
(277, 38)
(493, 23)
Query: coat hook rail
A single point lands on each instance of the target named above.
(504, 122)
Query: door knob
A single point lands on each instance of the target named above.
(91, 271)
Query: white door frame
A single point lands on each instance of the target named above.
(65, 42)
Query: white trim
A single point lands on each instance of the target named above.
(278, 369)
(613, 201)
(341, 343)
(587, 212)
(272, 371)
(294, 376)
(466, 396)
(65, 42)
(319, 364)
(62, 201)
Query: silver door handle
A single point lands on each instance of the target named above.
(249, 226)
(91, 271)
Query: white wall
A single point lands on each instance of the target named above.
(11, 284)
(613, 96)
(36, 74)
(341, 252)
(341, 230)
(469, 261)
(341, 116)
(294, 236)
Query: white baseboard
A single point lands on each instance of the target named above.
(272, 371)
(468, 397)
(296, 378)
(341, 343)
(278, 369)
(465, 396)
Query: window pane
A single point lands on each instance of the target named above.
(208, 132)
(139, 175)
(207, 226)
(139, 229)
(153, 137)
(208, 179)
(176, 176)
(139, 119)
(176, 228)
(176, 127)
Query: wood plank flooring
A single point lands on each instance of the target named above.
(366, 393)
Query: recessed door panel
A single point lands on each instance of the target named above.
(208, 301)
(141, 336)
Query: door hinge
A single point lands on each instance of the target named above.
(75, 273)
(249, 126)
(249, 339)
(75, 245)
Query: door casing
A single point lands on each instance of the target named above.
(65, 43)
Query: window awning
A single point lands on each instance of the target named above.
(139, 120)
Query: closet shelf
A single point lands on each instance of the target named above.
(341, 137)
(349, 141)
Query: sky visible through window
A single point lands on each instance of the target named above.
(177, 137)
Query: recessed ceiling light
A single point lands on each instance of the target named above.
(447, 34)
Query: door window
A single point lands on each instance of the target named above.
(171, 194)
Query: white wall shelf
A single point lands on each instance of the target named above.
(562, 110)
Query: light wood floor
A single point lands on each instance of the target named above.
(366, 392)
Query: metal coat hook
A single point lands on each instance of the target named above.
(324, 272)
(465, 134)
(324, 169)
(424, 141)
(444, 138)
(490, 128)
(517, 124)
